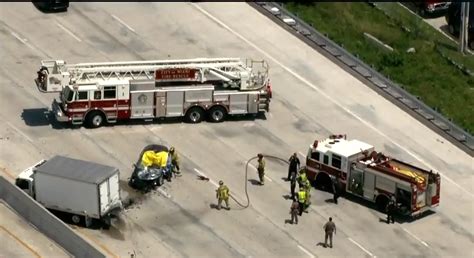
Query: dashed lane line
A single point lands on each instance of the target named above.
(361, 247)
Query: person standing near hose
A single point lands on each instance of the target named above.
(294, 165)
(222, 194)
(261, 168)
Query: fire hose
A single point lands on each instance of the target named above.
(246, 178)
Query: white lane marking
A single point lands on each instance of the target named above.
(360, 246)
(68, 31)
(18, 37)
(210, 180)
(306, 251)
(269, 179)
(164, 193)
(22, 40)
(299, 77)
(415, 237)
(301, 153)
(122, 22)
(19, 131)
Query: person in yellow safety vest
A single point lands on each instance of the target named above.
(302, 177)
(222, 194)
(301, 200)
(175, 161)
(261, 168)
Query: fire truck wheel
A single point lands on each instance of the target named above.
(194, 115)
(217, 114)
(95, 119)
(76, 219)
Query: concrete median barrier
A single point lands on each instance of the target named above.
(46, 222)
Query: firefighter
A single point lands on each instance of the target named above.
(336, 188)
(175, 161)
(222, 194)
(307, 188)
(294, 165)
(391, 211)
(294, 211)
(301, 200)
(302, 176)
(261, 168)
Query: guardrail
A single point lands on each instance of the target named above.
(46, 222)
(388, 88)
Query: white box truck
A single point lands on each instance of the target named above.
(83, 189)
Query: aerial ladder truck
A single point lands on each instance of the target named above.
(96, 93)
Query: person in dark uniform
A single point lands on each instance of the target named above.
(336, 188)
(294, 165)
(293, 184)
(391, 211)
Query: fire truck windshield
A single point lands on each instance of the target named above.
(68, 94)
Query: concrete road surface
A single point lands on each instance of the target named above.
(312, 99)
(19, 239)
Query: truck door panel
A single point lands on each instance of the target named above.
(253, 103)
(114, 188)
(238, 104)
(369, 185)
(104, 196)
(385, 184)
(160, 104)
(356, 183)
(174, 103)
(142, 104)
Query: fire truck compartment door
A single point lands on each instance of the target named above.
(238, 103)
(253, 103)
(174, 103)
(142, 104)
(369, 185)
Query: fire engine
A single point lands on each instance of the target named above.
(96, 93)
(363, 172)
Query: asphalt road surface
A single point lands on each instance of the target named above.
(312, 99)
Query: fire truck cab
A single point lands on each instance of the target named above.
(371, 175)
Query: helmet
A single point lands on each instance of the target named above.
(221, 182)
(172, 149)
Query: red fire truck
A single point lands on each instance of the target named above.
(368, 174)
(96, 93)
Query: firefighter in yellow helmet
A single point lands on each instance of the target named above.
(222, 194)
(175, 161)
(261, 168)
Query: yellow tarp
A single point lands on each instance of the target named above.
(419, 179)
(158, 159)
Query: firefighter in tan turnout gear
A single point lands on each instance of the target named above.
(222, 194)
(175, 161)
(261, 168)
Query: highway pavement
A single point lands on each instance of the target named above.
(312, 98)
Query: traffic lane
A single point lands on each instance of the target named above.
(19, 239)
(268, 199)
(173, 34)
(321, 75)
(243, 229)
(276, 170)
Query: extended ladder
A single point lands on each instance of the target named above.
(229, 70)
